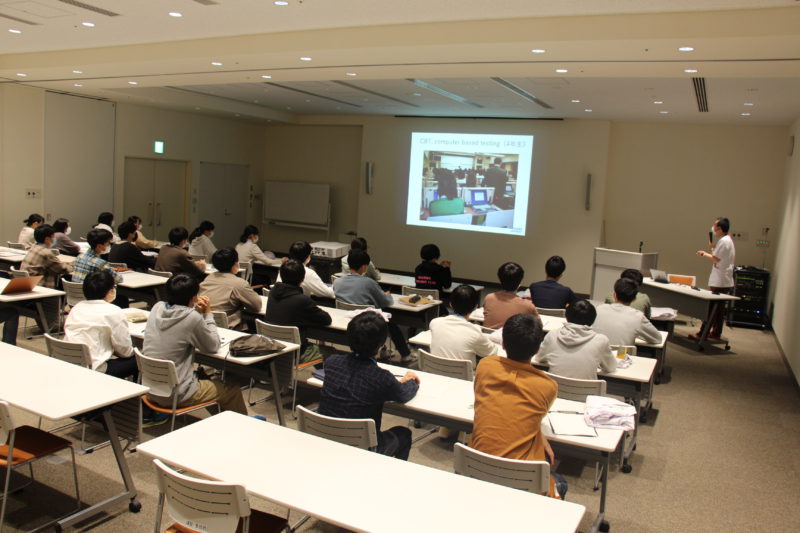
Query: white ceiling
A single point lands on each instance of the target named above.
(621, 56)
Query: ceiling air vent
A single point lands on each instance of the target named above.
(207, 2)
(17, 19)
(700, 94)
(88, 7)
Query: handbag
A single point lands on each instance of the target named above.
(254, 345)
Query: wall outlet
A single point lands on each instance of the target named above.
(33, 194)
(739, 235)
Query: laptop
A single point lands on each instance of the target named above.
(658, 275)
(24, 284)
(480, 200)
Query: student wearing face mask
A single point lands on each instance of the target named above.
(90, 261)
(250, 252)
(105, 220)
(40, 261)
(174, 258)
(141, 241)
(200, 240)
(61, 240)
(127, 252)
(26, 233)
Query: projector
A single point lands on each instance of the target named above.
(332, 250)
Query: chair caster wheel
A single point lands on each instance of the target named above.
(605, 526)
(626, 469)
(727, 347)
(135, 506)
(417, 424)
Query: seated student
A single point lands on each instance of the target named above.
(356, 387)
(621, 323)
(90, 261)
(61, 240)
(141, 241)
(26, 233)
(312, 285)
(550, 294)
(432, 273)
(102, 326)
(174, 258)
(105, 220)
(40, 261)
(127, 252)
(250, 252)
(454, 336)
(449, 203)
(178, 327)
(512, 398)
(360, 243)
(356, 289)
(288, 306)
(500, 305)
(642, 301)
(200, 240)
(575, 350)
(228, 292)
(10, 319)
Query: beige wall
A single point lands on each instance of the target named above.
(21, 156)
(786, 286)
(667, 183)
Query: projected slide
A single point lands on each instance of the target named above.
(469, 181)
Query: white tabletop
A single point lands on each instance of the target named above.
(54, 389)
(13, 255)
(409, 281)
(140, 280)
(413, 308)
(350, 487)
(36, 294)
(686, 290)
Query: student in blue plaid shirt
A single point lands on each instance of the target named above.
(90, 261)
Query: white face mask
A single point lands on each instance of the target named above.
(255, 239)
(210, 234)
(111, 296)
(105, 250)
(69, 230)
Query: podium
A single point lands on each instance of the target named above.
(609, 264)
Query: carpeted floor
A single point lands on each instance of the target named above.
(719, 453)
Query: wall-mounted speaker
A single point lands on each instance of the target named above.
(588, 199)
(791, 145)
(369, 176)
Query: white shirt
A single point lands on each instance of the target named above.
(102, 327)
(313, 285)
(722, 272)
(26, 237)
(114, 237)
(249, 252)
(202, 245)
(453, 337)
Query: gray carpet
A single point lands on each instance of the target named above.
(719, 453)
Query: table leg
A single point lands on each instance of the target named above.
(42, 316)
(276, 391)
(600, 523)
(130, 489)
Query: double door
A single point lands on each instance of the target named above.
(156, 191)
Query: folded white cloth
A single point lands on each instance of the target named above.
(355, 312)
(608, 413)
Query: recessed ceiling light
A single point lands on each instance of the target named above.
(690, 70)
(664, 112)
(749, 104)
(77, 72)
(657, 102)
(538, 50)
(13, 30)
(588, 110)
(686, 49)
(133, 83)
(416, 94)
(561, 70)
(281, 3)
(216, 63)
(88, 24)
(574, 101)
(745, 114)
(238, 115)
(175, 14)
(197, 109)
(22, 75)
(352, 74)
(266, 76)
(305, 58)
(77, 84)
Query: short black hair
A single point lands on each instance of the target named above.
(135, 219)
(581, 312)
(293, 272)
(248, 230)
(366, 333)
(358, 243)
(633, 275)
(429, 252)
(299, 251)
(498, 160)
(42, 232)
(724, 224)
(204, 226)
(61, 225)
(224, 259)
(357, 258)
(447, 186)
(181, 288)
(626, 290)
(33, 218)
(177, 235)
(97, 237)
(522, 336)
(464, 299)
(510, 275)
(97, 284)
(125, 229)
(555, 266)
(105, 218)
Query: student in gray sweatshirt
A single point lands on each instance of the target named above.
(575, 350)
(178, 327)
(620, 322)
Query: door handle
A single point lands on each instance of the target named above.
(150, 214)
(158, 214)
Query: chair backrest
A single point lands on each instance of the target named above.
(358, 432)
(74, 292)
(533, 476)
(198, 257)
(55, 251)
(552, 312)
(349, 307)
(199, 504)
(220, 319)
(6, 422)
(76, 353)
(578, 389)
(452, 368)
(19, 273)
(246, 270)
(630, 350)
(159, 273)
(682, 279)
(118, 265)
(407, 291)
(16, 245)
(158, 374)
(281, 333)
(265, 291)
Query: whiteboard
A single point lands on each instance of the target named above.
(294, 202)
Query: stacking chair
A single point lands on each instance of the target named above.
(442, 366)
(198, 505)
(15, 273)
(74, 292)
(55, 251)
(552, 312)
(220, 319)
(24, 445)
(199, 257)
(162, 378)
(286, 368)
(349, 307)
(118, 265)
(159, 273)
(358, 432)
(265, 291)
(246, 271)
(16, 245)
(533, 476)
(682, 279)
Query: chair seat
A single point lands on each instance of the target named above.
(31, 443)
(179, 411)
(260, 522)
(307, 364)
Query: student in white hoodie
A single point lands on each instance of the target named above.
(575, 350)
(620, 322)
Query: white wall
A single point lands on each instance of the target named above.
(786, 285)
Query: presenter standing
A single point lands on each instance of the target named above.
(720, 281)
